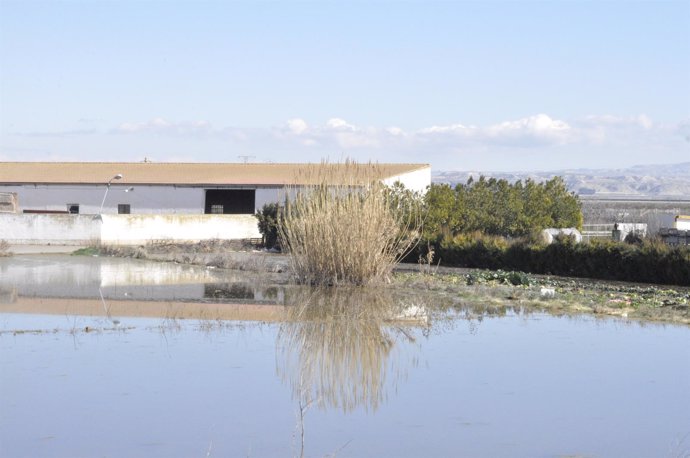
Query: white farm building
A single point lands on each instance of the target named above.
(48, 202)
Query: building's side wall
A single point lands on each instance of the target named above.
(417, 180)
(268, 196)
(155, 199)
(142, 199)
(35, 229)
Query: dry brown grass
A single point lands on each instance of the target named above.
(5, 248)
(335, 346)
(347, 233)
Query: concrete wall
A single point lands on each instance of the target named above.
(49, 229)
(30, 229)
(140, 229)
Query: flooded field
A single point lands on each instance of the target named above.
(113, 357)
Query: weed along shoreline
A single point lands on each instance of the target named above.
(493, 289)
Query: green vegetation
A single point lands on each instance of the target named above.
(649, 262)
(492, 224)
(87, 251)
(354, 234)
(268, 224)
(496, 207)
(483, 290)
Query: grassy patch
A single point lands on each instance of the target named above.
(87, 251)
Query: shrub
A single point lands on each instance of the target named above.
(344, 228)
(268, 224)
(649, 261)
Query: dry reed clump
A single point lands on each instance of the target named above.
(344, 227)
(335, 347)
(5, 248)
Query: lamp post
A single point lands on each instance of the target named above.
(107, 188)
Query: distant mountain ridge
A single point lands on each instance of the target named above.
(656, 181)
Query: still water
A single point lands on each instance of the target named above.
(111, 357)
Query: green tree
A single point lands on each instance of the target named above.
(497, 207)
(268, 224)
(441, 212)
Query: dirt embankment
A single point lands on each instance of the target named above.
(225, 255)
(512, 289)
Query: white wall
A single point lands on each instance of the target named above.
(49, 229)
(140, 229)
(417, 180)
(29, 229)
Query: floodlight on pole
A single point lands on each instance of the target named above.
(107, 187)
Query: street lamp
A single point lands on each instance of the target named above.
(107, 188)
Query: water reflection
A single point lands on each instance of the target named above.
(113, 288)
(336, 348)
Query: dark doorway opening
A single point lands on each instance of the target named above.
(230, 201)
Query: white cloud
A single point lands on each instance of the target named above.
(297, 126)
(457, 129)
(161, 126)
(617, 121)
(340, 124)
(683, 129)
(539, 128)
(540, 138)
(58, 134)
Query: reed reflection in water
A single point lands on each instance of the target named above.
(337, 347)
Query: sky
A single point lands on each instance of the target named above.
(491, 85)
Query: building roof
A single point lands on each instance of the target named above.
(168, 173)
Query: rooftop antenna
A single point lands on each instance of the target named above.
(245, 159)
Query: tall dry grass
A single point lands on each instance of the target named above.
(345, 227)
(4, 248)
(337, 347)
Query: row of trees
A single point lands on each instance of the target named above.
(497, 207)
(488, 206)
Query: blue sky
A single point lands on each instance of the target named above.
(512, 85)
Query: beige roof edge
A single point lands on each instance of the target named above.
(175, 173)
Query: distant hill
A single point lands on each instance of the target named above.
(659, 181)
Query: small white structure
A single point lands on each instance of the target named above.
(548, 235)
(682, 223)
(622, 230)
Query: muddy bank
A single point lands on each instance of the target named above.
(493, 290)
(482, 288)
(224, 255)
